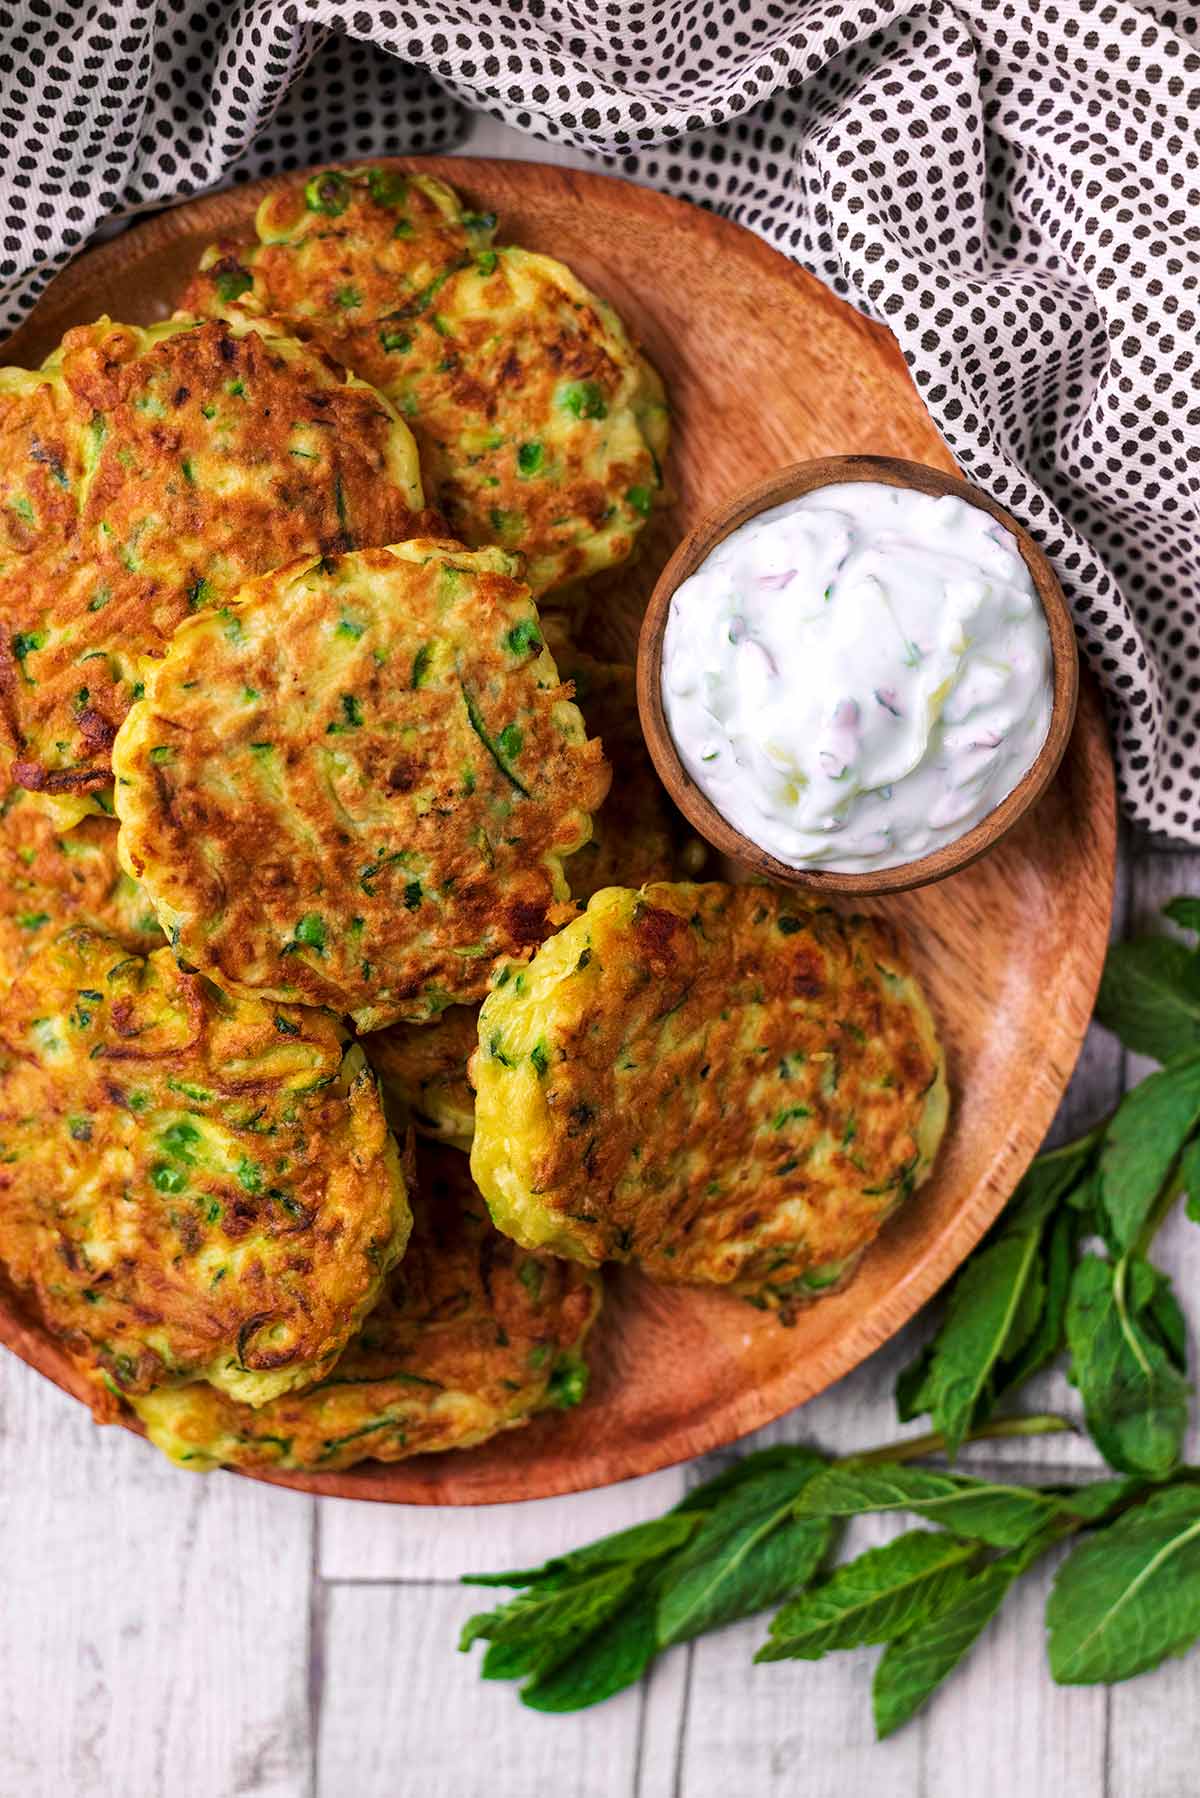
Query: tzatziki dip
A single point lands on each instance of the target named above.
(858, 677)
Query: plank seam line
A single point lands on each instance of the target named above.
(685, 1709)
(316, 1651)
(639, 1740)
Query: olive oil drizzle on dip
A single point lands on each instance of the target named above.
(856, 678)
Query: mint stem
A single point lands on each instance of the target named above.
(1089, 1140)
(1045, 1423)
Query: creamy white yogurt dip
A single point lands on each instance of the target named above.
(858, 677)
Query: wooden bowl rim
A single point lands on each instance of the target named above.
(792, 482)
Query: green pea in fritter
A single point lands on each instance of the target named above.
(540, 425)
(148, 473)
(725, 1084)
(191, 1186)
(50, 879)
(355, 784)
(473, 1336)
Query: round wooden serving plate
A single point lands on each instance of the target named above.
(763, 366)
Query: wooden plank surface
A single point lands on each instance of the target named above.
(155, 1627)
(175, 1636)
(403, 1713)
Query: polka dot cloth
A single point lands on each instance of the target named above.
(1012, 188)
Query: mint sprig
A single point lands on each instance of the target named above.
(1064, 1273)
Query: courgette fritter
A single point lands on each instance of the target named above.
(341, 244)
(43, 462)
(725, 1084)
(474, 1336)
(50, 879)
(422, 1069)
(191, 1186)
(184, 458)
(541, 427)
(383, 739)
(637, 836)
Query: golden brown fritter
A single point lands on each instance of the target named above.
(473, 1337)
(42, 463)
(540, 426)
(50, 879)
(383, 740)
(637, 836)
(190, 1186)
(192, 457)
(422, 1069)
(339, 244)
(725, 1084)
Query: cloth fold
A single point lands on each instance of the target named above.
(1010, 187)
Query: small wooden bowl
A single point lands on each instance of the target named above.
(773, 490)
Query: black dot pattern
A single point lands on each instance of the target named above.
(1012, 186)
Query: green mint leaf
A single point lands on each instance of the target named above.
(986, 1306)
(580, 1606)
(748, 1553)
(565, 1667)
(642, 1542)
(1088, 1206)
(1091, 1502)
(1189, 1175)
(998, 1305)
(875, 1598)
(763, 1460)
(1135, 1402)
(523, 1656)
(614, 1656)
(1027, 1316)
(1129, 1596)
(1149, 1129)
(587, 1626)
(1150, 997)
(1047, 1183)
(1164, 1314)
(914, 1385)
(1003, 1516)
(1050, 1334)
(912, 1669)
(1184, 910)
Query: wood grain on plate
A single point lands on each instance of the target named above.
(763, 366)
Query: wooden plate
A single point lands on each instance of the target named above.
(763, 366)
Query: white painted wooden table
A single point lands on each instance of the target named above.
(166, 1635)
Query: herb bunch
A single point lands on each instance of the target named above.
(1064, 1273)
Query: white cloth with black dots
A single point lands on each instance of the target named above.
(1011, 187)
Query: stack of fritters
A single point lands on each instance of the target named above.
(540, 426)
(473, 1335)
(362, 786)
(193, 1187)
(148, 473)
